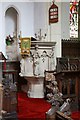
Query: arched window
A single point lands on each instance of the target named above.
(74, 19)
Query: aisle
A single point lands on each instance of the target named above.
(31, 108)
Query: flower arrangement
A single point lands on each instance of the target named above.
(9, 40)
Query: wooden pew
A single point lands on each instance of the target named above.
(61, 116)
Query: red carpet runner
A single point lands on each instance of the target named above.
(31, 108)
(35, 108)
(75, 115)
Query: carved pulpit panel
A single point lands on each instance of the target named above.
(41, 58)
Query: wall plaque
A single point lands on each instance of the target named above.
(53, 14)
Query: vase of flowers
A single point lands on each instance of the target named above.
(9, 40)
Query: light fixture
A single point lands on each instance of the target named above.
(39, 35)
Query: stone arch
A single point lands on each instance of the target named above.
(10, 50)
(18, 15)
(13, 6)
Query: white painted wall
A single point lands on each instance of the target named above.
(40, 18)
(11, 22)
(56, 31)
(2, 42)
(65, 20)
(26, 16)
(26, 20)
(33, 16)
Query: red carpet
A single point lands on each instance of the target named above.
(75, 115)
(31, 108)
(35, 108)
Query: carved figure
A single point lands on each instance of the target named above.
(55, 97)
(36, 61)
(52, 62)
(22, 66)
(65, 108)
(43, 62)
(28, 70)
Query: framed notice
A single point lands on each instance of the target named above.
(53, 13)
(25, 46)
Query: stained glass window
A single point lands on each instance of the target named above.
(74, 19)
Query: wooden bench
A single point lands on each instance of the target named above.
(61, 116)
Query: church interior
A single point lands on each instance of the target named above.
(40, 60)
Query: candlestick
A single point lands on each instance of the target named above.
(39, 36)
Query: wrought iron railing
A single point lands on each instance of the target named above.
(68, 64)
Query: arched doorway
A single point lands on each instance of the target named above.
(11, 32)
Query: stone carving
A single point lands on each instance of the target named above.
(51, 57)
(55, 97)
(26, 65)
(8, 86)
(36, 57)
(39, 60)
(22, 66)
(44, 55)
(44, 65)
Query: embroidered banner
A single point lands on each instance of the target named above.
(25, 46)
